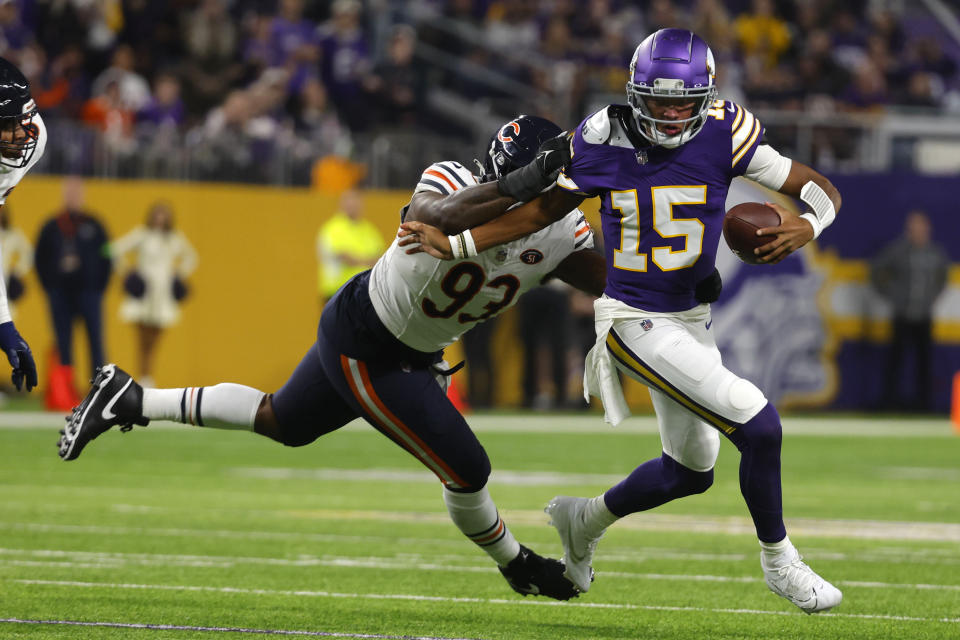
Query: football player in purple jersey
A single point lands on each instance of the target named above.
(662, 165)
(378, 353)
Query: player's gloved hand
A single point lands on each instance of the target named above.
(19, 355)
(708, 289)
(527, 182)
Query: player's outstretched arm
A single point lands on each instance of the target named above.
(586, 270)
(519, 222)
(822, 201)
(472, 206)
(461, 210)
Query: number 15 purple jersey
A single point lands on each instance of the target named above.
(661, 209)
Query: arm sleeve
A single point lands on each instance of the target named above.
(445, 178)
(768, 167)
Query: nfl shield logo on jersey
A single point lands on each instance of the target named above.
(531, 256)
(647, 324)
(501, 255)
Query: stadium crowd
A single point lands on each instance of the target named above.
(238, 83)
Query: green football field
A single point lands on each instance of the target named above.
(180, 532)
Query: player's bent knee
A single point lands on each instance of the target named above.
(691, 482)
(763, 431)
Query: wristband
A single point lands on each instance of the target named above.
(822, 212)
(462, 245)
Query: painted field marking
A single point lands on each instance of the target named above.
(113, 560)
(827, 425)
(180, 627)
(713, 525)
(456, 600)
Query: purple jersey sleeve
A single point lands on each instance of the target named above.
(589, 171)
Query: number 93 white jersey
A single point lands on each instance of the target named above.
(428, 303)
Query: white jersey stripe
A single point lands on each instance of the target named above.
(743, 132)
(748, 144)
(451, 172)
(371, 407)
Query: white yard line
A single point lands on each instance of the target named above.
(453, 600)
(112, 560)
(590, 423)
(181, 627)
(648, 521)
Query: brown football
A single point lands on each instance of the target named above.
(740, 228)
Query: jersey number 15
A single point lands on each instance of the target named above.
(629, 256)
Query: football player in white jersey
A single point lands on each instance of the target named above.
(379, 348)
(22, 139)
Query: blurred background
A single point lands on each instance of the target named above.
(278, 135)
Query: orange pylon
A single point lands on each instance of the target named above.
(458, 399)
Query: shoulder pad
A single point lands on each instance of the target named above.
(596, 128)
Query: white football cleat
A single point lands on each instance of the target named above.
(788, 576)
(566, 514)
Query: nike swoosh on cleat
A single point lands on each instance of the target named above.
(109, 407)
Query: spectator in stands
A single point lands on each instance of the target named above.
(165, 109)
(347, 244)
(867, 91)
(14, 36)
(108, 113)
(134, 90)
(222, 143)
(910, 274)
(711, 21)
(73, 264)
(61, 89)
(396, 85)
(16, 254)
(510, 26)
(663, 14)
(162, 260)
(319, 130)
(210, 67)
(345, 61)
(761, 34)
(294, 43)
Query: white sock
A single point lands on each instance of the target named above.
(222, 406)
(476, 516)
(597, 517)
(774, 550)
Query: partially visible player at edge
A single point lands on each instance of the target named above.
(22, 139)
(379, 349)
(662, 166)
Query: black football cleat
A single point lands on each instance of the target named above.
(531, 574)
(115, 399)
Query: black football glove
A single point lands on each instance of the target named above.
(527, 182)
(708, 289)
(19, 355)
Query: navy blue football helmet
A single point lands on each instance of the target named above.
(18, 133)
(515, 145)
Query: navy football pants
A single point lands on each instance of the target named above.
(327, 390)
